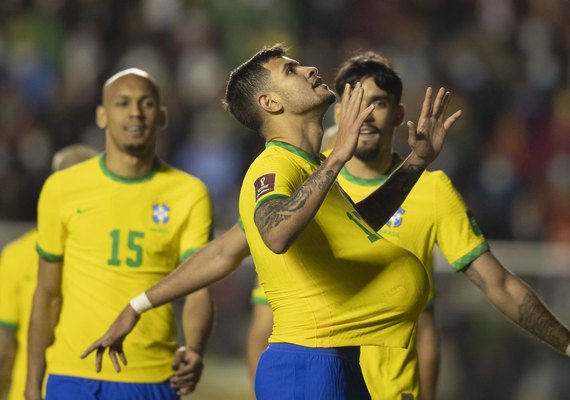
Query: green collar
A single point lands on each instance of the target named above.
(114, 177)
(296, 150)
(396, 161)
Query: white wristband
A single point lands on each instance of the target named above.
(140, 303)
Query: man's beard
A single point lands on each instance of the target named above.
(367, 153)
(137, 150)
(330, 98)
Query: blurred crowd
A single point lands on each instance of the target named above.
(507, 63)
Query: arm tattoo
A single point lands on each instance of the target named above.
(272, 213)
(535, 317)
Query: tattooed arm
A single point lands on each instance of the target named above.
(280, 221)
(517, 301)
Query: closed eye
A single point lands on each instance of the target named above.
(289, 67)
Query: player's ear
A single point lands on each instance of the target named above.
(270, 103)
(101, 117)
(163, 118)
(399, 115)
(337, 108)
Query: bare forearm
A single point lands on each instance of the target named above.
(519, 303)
(209, 265)
(7, 351)
(379, 207)
(539, 321)
(280, 221)
(428, 347)
(44, 317)
(197, 320)
(189, 277)
(532, 315)
(260, 330)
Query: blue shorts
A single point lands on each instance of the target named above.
(63, 387)
(290, 372)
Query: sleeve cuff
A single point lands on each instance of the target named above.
(48, 256)
(470, 257)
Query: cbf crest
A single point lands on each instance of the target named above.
(396, 219)
(160, 213)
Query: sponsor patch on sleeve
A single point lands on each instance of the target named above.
(264, 184)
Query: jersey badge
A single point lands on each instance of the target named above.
(396, 219)
(160, 213)
(264, 184)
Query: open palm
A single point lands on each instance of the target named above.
(426, 140)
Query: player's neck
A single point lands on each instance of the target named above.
(128, 166)
(304, 133)
(370, 169)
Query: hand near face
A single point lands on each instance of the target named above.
(350, 120)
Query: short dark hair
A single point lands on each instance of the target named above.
(369, 64)
(244, 84)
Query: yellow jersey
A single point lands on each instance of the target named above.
(320, 289)
(18, 277)
(432, 214)
(117, 237)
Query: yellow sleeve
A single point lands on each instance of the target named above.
(457, 233)
(51, 227)
(198, 230)
(274, 176)
(9, 287)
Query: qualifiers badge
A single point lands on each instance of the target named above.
(264, 184)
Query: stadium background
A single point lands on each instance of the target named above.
(507, 63)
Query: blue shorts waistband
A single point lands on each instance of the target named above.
(351, 353)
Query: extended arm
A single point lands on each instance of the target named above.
(426, 142)
(517, 301)
(428, 344)
(212, 263)
(45, 314)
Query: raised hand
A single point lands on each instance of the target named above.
(188, 366)
(113, 339)
(426, 140)
(350, 121)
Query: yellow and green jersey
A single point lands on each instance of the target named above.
(116, 237)
(433, 213)
(339, 283)
(18, 276)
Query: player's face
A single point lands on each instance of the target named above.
(299, 88)
(377, 131)
(131, 114)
